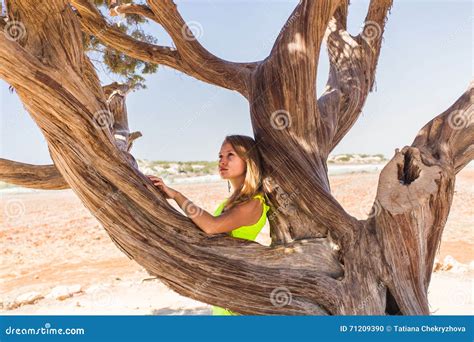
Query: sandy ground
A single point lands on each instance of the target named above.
(51, 247)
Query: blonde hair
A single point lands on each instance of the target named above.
(245, 147)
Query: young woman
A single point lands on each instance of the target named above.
(244, 213)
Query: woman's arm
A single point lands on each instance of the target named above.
(244, 214)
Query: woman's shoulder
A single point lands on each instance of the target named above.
(251, 204)
(254, 199)
(254, 203)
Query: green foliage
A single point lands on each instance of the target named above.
(210, 167)
(197, 168)
(186, 168)
(344, 159)
(116, 64)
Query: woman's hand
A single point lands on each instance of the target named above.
(167, 191)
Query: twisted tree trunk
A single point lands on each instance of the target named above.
(322, 260)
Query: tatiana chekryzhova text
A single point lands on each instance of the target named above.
(428, 328)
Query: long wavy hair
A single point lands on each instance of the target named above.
(245, 147)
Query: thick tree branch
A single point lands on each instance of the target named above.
(414, 196)
(190, 57)
(450, 136)
(142, 10)
(296, 50)
(220, 72)
(353, 62)
(285, 119)
(95, 24)
(372, 32)
(116, 94)
(46, 177)
(412, 204)
(287, 79)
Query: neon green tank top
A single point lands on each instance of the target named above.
(244, 232)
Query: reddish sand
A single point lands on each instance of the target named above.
(49, 238)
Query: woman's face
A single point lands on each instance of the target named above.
(230, 164)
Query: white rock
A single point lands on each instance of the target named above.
(452, 265)
(449, 262)
(26, 298)
(471, 265)
(97, 287)
(63, 292)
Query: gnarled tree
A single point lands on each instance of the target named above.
(322, 260)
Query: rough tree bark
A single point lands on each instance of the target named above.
(322, 260)
(48, 177)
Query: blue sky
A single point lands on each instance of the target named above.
(425, 65)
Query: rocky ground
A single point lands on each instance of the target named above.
(56, 258)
